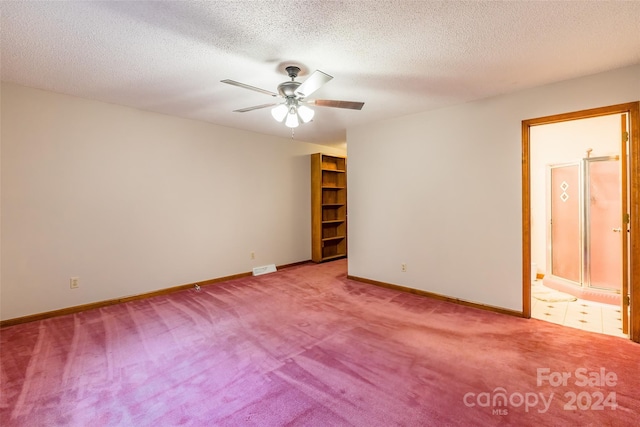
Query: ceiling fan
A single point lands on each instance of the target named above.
(293, 108)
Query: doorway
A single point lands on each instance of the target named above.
(630, 221)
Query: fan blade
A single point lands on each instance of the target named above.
(257, 107)
(313, 83)
(351, 105)
(257, 89)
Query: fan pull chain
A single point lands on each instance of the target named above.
(292, 133)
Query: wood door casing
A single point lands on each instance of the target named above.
(625, 197)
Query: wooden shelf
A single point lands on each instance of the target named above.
(328, 207)
(330, 258)
(328, 239)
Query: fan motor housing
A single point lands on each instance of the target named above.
(288, 89)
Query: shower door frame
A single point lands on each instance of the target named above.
(584, 221)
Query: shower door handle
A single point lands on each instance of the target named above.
(617, 230)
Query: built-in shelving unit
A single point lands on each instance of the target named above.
(328, 207)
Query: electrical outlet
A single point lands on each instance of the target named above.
(74, 283)
(253, 255)
(403, 267)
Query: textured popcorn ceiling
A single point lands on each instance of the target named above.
(399, 57)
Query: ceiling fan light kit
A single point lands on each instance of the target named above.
(292, 110)
(292, 113)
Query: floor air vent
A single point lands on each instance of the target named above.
(271, 268)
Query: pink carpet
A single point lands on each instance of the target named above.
(307, 347)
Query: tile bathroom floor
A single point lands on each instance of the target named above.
(580, 314)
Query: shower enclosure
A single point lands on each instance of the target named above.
(584, 212)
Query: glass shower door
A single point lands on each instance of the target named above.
(603, 220)
(565, 232)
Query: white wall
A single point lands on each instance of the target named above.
(441, 190)
(132, 201)
(561, 143)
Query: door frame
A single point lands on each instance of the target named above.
(633, 270)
